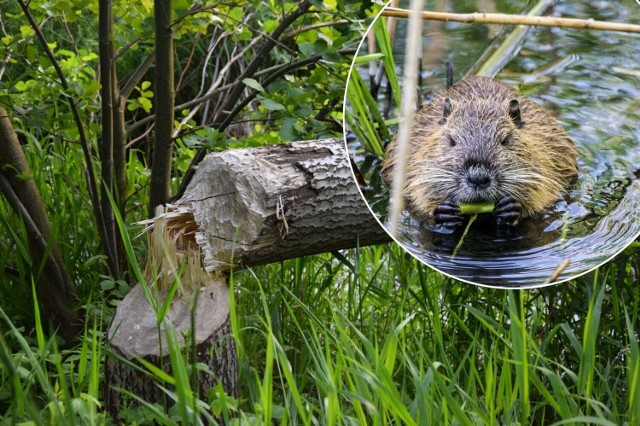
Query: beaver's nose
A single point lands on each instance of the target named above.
(478, 178)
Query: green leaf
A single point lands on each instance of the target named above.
(366, 58)
(132, 105)
(32, 53)
(245, 34)
(330, 4)
(287, 129)
(270, 25)
(316, 48)
(26, 31)
(331, 55)
(21, 86)
(235, 14)
(107, 285)
(91, 88)
(145, 104)
(271, 105)
(253, 84)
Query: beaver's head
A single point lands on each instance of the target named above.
(480, 142)
(480, 154)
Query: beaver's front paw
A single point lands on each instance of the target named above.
(508, 211)
(448, 215)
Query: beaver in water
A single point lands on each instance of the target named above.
(482, 141)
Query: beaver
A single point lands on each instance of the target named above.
(482, 141)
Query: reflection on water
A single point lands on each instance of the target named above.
(591, 81)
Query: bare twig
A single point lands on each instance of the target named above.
(505, 19)
(183, 71)
(554, 276)
(210, 93)
(295, 33)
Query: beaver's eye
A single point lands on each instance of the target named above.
(505, 141)
(452, 142)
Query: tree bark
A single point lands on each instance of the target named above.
(242, 208)
(55, 289)
(164, 93)
(107, 90)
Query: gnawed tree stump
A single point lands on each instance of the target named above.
(135, 334)
(242, 208)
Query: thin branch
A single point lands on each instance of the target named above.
(16, 204)
(188, 64)
(295, 33)
(556, 273)
(105, 29)
(134, 79)
(280, 71)
(144, 135)
(164, 102)
(505, 19)
(203, 78)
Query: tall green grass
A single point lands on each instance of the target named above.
(422, 349)
(371, 337)
(42, 385)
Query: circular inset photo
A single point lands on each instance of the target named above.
(501, 155)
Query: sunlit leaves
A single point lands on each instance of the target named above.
(143, 100)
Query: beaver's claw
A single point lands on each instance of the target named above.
(508, 211)
(448, 215)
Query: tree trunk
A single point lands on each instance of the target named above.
(55, 289)
(108, 83)
(242, 208)
(164, 94)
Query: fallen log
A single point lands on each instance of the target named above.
(242, 208)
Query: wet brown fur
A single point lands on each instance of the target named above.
(535, 166)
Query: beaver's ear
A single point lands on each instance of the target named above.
(514, 112)
(446, 110)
